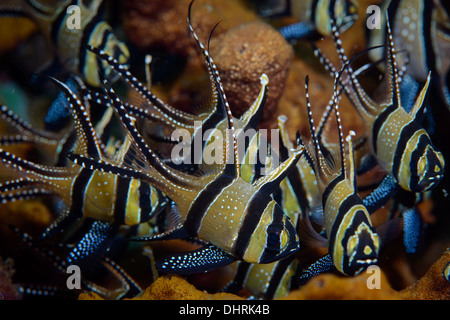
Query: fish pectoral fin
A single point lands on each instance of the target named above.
(203, 259)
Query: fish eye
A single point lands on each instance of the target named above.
(441, 162)
(276, 237)
(273, 235)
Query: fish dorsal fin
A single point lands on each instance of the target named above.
(88, 143)
(159, 108)
(223, 111)
(364, 103)
(253, 115)
(148, 74)
(314, 150)
(339, 125)
(284, 135)
(418, 109)
(392, 68)
(142, 148)
(351, 173)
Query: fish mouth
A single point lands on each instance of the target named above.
(367, 261)
(430, 182)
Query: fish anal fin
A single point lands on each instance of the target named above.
(203, 259)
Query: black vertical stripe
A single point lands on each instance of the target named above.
(65, 148)
(405, 135)
(255, 209)
(102, 46)
(345, 206)
(313, 10)
(57, 24)
(243, 269)
(79, 191)
(392, 13)
(202, 202)
(331, 11)
(145, 201)
(122, 190)
(379, 122)
(277, 275)
(419, 150)
(89, 28)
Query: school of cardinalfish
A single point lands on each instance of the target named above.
(108, 189)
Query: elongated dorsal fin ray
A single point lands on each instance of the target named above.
(223, 107)
(339, 125)
(148, 74)
(418, 108)
(169, 113)
(364, 102)
(312, 127)
(27, 167)
(351, 173)
(90, 145)
(321, 165)
(392, 67)
(26, 128)
(109, 167)
(164, 170)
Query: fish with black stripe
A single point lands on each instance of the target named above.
(155, 114)
(69, 45)
(353, 243)
(239, 220)
(314, 16)
(85, 192)
(397, 140)
(421, 29)
(99, 243)
(295, 195)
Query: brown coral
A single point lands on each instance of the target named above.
(162, 23)
(432, 286)
(242, 55)
(333, 287)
